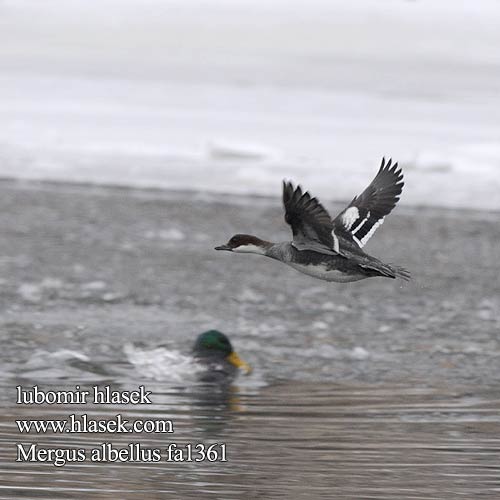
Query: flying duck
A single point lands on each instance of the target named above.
(332, 249)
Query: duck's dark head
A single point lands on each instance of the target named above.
(213, 346)
(245, 243)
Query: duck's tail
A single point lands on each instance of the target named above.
(377, 268)
(399, 272)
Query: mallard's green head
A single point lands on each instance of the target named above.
(213, 345)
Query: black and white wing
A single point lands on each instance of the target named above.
(367, 211)
(310, 222)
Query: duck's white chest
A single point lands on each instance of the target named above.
(321, 272)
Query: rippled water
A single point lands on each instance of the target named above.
(371, 390)
(284, 440)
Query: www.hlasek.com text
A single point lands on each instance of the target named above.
(83, 423)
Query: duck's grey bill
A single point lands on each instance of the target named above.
(224, 247)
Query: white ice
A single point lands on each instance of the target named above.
(234, 96)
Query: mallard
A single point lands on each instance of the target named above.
(214, 351)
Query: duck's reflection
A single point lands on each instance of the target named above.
(214, 405)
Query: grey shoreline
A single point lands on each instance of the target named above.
(213, 196)
(131, 264)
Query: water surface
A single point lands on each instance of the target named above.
(376, 389)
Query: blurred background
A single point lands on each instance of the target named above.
(373, 389)
(233, 96)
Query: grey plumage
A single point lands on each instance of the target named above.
(329, 249)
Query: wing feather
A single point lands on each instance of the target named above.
(366, 212)
(311, 223)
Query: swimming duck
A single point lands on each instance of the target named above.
(332, 250)
(214, 351)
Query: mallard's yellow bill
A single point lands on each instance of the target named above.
(235, 360)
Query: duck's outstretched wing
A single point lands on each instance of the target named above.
(310, 222)
(367, 211)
